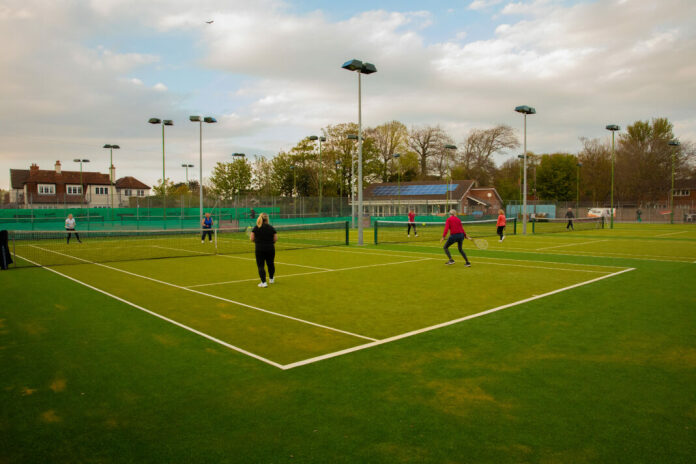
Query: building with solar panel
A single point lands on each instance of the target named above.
(431, 198)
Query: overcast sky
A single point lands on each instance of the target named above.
(78, 74)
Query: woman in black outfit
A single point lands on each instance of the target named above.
(264, 236)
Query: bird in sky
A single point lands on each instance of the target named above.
(210, 22)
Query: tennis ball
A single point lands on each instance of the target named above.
(424, 223)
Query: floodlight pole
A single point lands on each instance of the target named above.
(521, 158)
(613, 128)
(82, 187)
(200, 120)
(397, 156)
(340, 182)
(525, 110)
(672, 143)
(449, 174)
(111, 174)
(577, 188)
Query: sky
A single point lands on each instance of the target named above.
(76, 75)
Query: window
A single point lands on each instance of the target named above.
(682, 193)
(47, 189)
(141, 193)
(127, 192)
(74, 189)
(101, 190)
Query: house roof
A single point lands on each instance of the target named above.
(481, 195)
(129, 182)
(418, 190)
(19, 177)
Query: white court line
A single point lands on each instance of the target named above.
(238, 257)
(672, 233)
(572, 244)
(315, 272)
(171, 321)
(214, 296)
(444, 324)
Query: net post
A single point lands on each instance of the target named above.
(14, 250)
(216, 243)
(514, 226)
(602, 217)
(347, 233)
(533, 223)
(376, 227)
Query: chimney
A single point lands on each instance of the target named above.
(34, 168)
(57, 167)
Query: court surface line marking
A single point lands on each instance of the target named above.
(215, 296)
(235, 257)
(164, 318)
(444, 324)
(383, 252)
(672, 233)
(316, 272)
(587, 254)
(571, 244)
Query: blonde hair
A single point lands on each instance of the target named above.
(500, 211)
(453, 212)
(263, 217)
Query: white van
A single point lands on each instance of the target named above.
(600, 212)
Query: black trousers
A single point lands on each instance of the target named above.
(411, 224)
(570, 225)
(72, 231)
(209, 233)
(458, 239)
(500, 231)
(265, 257)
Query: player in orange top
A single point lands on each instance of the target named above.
(501, 224)
(411, 223)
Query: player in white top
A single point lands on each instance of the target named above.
(70, 228)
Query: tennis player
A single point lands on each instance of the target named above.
(264, 237)
(457, 235)
(570, 216)
(70, 228)
(411, 223)
(501, 225)
(207, 225)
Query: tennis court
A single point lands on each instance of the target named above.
(353, 350)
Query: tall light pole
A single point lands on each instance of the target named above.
(524, 109)
(187, 166)
(396, 157)
(294, 190)
(321, 138)
(340, 183)
(111, 173)
(163, 122)
(361, 68)
(672, 143)
(577, 189)
(200, 121)
(521, 158)
(352, 182)
(449, 175)
(236, 156)
(82, 186)
(613, 128)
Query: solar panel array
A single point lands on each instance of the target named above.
(437, 189)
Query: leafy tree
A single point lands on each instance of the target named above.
(262, 177)
(556, 177)
(595, 173)
(229, 179)
(158, 189)
(508, 180)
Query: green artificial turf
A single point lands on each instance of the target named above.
(599, 373)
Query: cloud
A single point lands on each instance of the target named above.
(160, 87)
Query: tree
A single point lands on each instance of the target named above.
(180, 189)
(475, 159)
(229, 179)
(556, 177)
(262, 177)
(158, 189)
(426, 141)
(595, 173)
(508, 182)
(389, 138)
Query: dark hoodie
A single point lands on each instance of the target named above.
(5, 257)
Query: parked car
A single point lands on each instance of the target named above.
(600, 212)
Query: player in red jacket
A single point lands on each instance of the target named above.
(411, 223)
(457, 234)
(501, 224)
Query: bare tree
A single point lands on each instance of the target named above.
(595, 173)
(426, 141)
(476, 154)
(389, 138)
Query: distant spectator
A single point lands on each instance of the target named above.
(252, 213)
(638, 214)
(569, 215)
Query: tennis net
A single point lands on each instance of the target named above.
(547, 226)
(397, 231)
(52, 248)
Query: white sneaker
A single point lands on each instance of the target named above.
(263, 285)
(502, 238)
(408, 235)
(270, 281)
(202, 241)
(416, 235)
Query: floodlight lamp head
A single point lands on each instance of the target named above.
(115, 147)
(107, 146)
(451, 147)
(368, 68)
(85, 161)
(520, 156)
(313, 137)
(322, 139)
(154, 121)
(673, 143)
(168, 122)
(613, 127)
(396, 155)
(352, 137)
(238, 155)
(209, 119)
(524, 109)
(77, 160)
(353, 65)
(195, 118)
(338, 163)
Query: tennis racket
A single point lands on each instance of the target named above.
(248, 231)
(480, 243)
